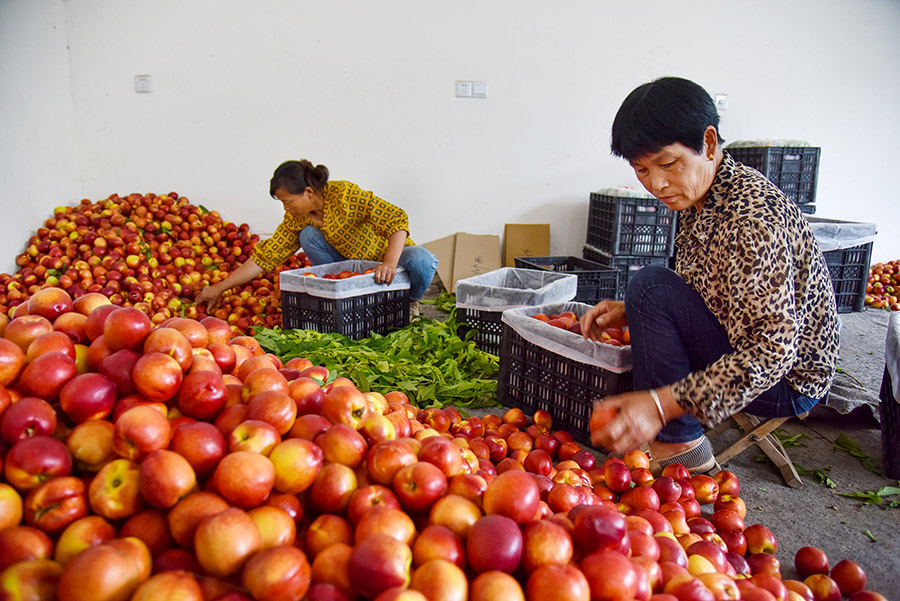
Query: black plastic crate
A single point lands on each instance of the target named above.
(630, 226)
(355, 316)
(487, 325)
(533, 378)
(626, 266)
(849, 270)
(794, 170)
(596, 281)
(890, 428)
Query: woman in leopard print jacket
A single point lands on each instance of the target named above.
(746, 321)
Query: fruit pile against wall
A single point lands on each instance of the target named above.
(883, 286)
(150, 252)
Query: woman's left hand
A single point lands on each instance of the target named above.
(636, 421)
(384, 273)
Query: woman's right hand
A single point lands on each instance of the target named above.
(605, 314)
(211, 296)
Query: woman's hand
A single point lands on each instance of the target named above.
(605, 314)
(625, 421)
(387, 269)
(211, 295)
(384, 273)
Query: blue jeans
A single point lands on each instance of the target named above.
(419, 263)
(673, 333)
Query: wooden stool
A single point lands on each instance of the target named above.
(760, 433)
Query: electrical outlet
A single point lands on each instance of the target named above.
(721, 101)
(143, 84)
(463, 89)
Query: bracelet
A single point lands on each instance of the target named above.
(655, 396)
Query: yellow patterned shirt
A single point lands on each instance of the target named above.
(356, 223)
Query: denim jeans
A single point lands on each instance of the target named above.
(673, 333)
(419, 263)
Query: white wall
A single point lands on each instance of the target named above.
(39, 160)
(367, 89)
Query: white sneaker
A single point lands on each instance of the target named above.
(414, 309)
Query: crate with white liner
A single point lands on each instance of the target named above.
(549, 368)
(847, 246)
(481, 300)
(890, 400)
(355, 307)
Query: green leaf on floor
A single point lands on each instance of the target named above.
(845, 443)
(871, 536)
(875, 497)
(816, 474)
(841, 370)
(789, 440)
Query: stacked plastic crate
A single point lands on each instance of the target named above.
(791, 165)
(627, 230)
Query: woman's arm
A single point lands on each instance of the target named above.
(243, 274)
(387, 269)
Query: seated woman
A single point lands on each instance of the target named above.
(746, 321)
(333, 221)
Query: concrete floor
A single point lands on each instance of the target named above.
(814, 514)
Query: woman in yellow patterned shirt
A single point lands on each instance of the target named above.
(333, 221)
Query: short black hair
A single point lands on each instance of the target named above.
(662, 112)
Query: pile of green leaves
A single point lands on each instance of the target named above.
(426, 360)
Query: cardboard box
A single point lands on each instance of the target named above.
(462, 255)
(525, 240)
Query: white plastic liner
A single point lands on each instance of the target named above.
(292, 281)
(767, 143)
(832, 234)
(892, 353)
(624, 192)
(510, 287)
(616, 359)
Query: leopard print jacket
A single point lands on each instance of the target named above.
(753, 258)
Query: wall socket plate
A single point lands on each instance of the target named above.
(471, 89)
(143, 84)
(721, 101)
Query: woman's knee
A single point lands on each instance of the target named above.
(310, 235)
(419, 258)
(647, 278)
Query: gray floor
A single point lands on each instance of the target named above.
(815, 514)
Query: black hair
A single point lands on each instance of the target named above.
(296, 176)
(662, 112)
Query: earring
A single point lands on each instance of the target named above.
(711, 157)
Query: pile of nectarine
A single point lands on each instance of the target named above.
(178, 461)
(883, 286)
(146, 251)
(568, 320)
